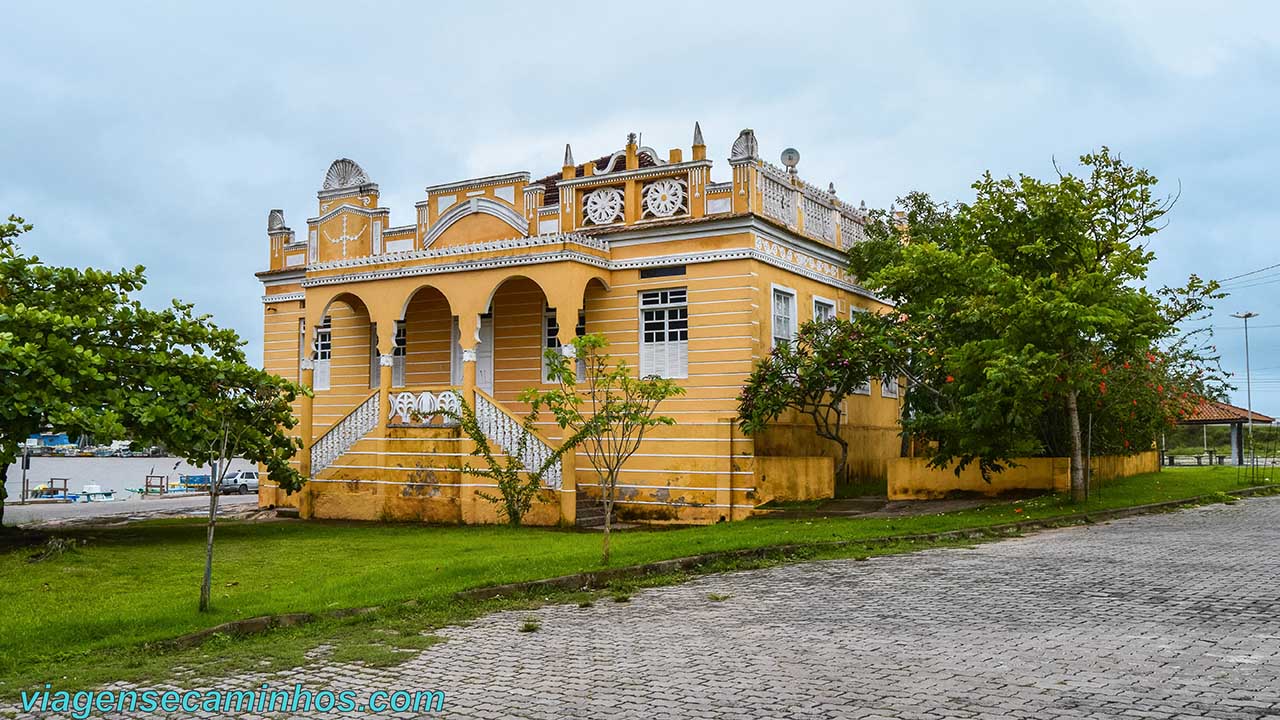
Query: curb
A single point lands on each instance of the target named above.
(593, 580)
(600, 578)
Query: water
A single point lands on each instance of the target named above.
(110, 473)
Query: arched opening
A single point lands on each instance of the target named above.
(341, 346)
(426, 343)
(512, 338)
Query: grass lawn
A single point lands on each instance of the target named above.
(85, 616)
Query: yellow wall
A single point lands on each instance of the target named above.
(788, 479)
(349, 367)
(428, 340)
(1111, 467)
(913, 479)
(700, 470)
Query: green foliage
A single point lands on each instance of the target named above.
(95, 616)
(1020, 303)
(517, 488)
(80, 353)
(607, 413)
(814, 374)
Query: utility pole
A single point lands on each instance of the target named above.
(1248, 384)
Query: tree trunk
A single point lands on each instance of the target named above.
(604, 552)
(607, 497)
(206, 584)
(842, 471)
(4, 477)
(1079, 490)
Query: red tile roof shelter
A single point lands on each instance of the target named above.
(1212, 412)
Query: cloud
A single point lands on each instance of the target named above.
(162, 134)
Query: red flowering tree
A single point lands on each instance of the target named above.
(812, 375)
(1017, 302)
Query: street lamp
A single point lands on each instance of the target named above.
(1248, 384)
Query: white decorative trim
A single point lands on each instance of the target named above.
(485, 205)
(603, 206)
(745, 147)
(468, 355)
(386, 360)
(506, 193)
(809, 258)
(424, 408)
(569, 351)
(367, 212)
(344, 173)
(724, 187)
(665, 197)
(670, 170)
(549, 226)
(295, 260)
(487, 246)
(308, 364)
(608, 168)
(444, 202)
(283, 297)
(462, 185)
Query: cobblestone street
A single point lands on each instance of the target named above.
(1165, 616)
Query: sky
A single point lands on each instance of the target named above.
(161, 134)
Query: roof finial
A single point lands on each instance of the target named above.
(831, 189)
(697, 134)
(568, 156)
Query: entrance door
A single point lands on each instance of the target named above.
(484, 355)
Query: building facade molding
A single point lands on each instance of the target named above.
(473, 183)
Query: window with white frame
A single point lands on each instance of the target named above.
(551, 341)
(823, 309)
(664, 333)
(322, 351)
(784, 315)
(864, 388)
(889, 387)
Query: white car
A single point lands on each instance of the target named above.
(239, 482)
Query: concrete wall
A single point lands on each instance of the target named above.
(788, 479)
(913, 479)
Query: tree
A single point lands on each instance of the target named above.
(1020, 301)
(79, 353)
(607, 413)
(816, 372)
(216, 410)
(518, 486)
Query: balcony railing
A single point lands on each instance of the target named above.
(426, 408)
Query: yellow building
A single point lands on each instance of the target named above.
(686, 278)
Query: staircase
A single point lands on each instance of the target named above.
(506, 431)
(590, 511)
(345, 433)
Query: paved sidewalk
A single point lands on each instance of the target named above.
(1167, 616)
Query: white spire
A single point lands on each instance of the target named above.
(568, 156)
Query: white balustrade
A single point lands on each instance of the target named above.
(851, 231)
(777, 197)
(506, 431)
(347, 432)
(818, 221)
(426, 407)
